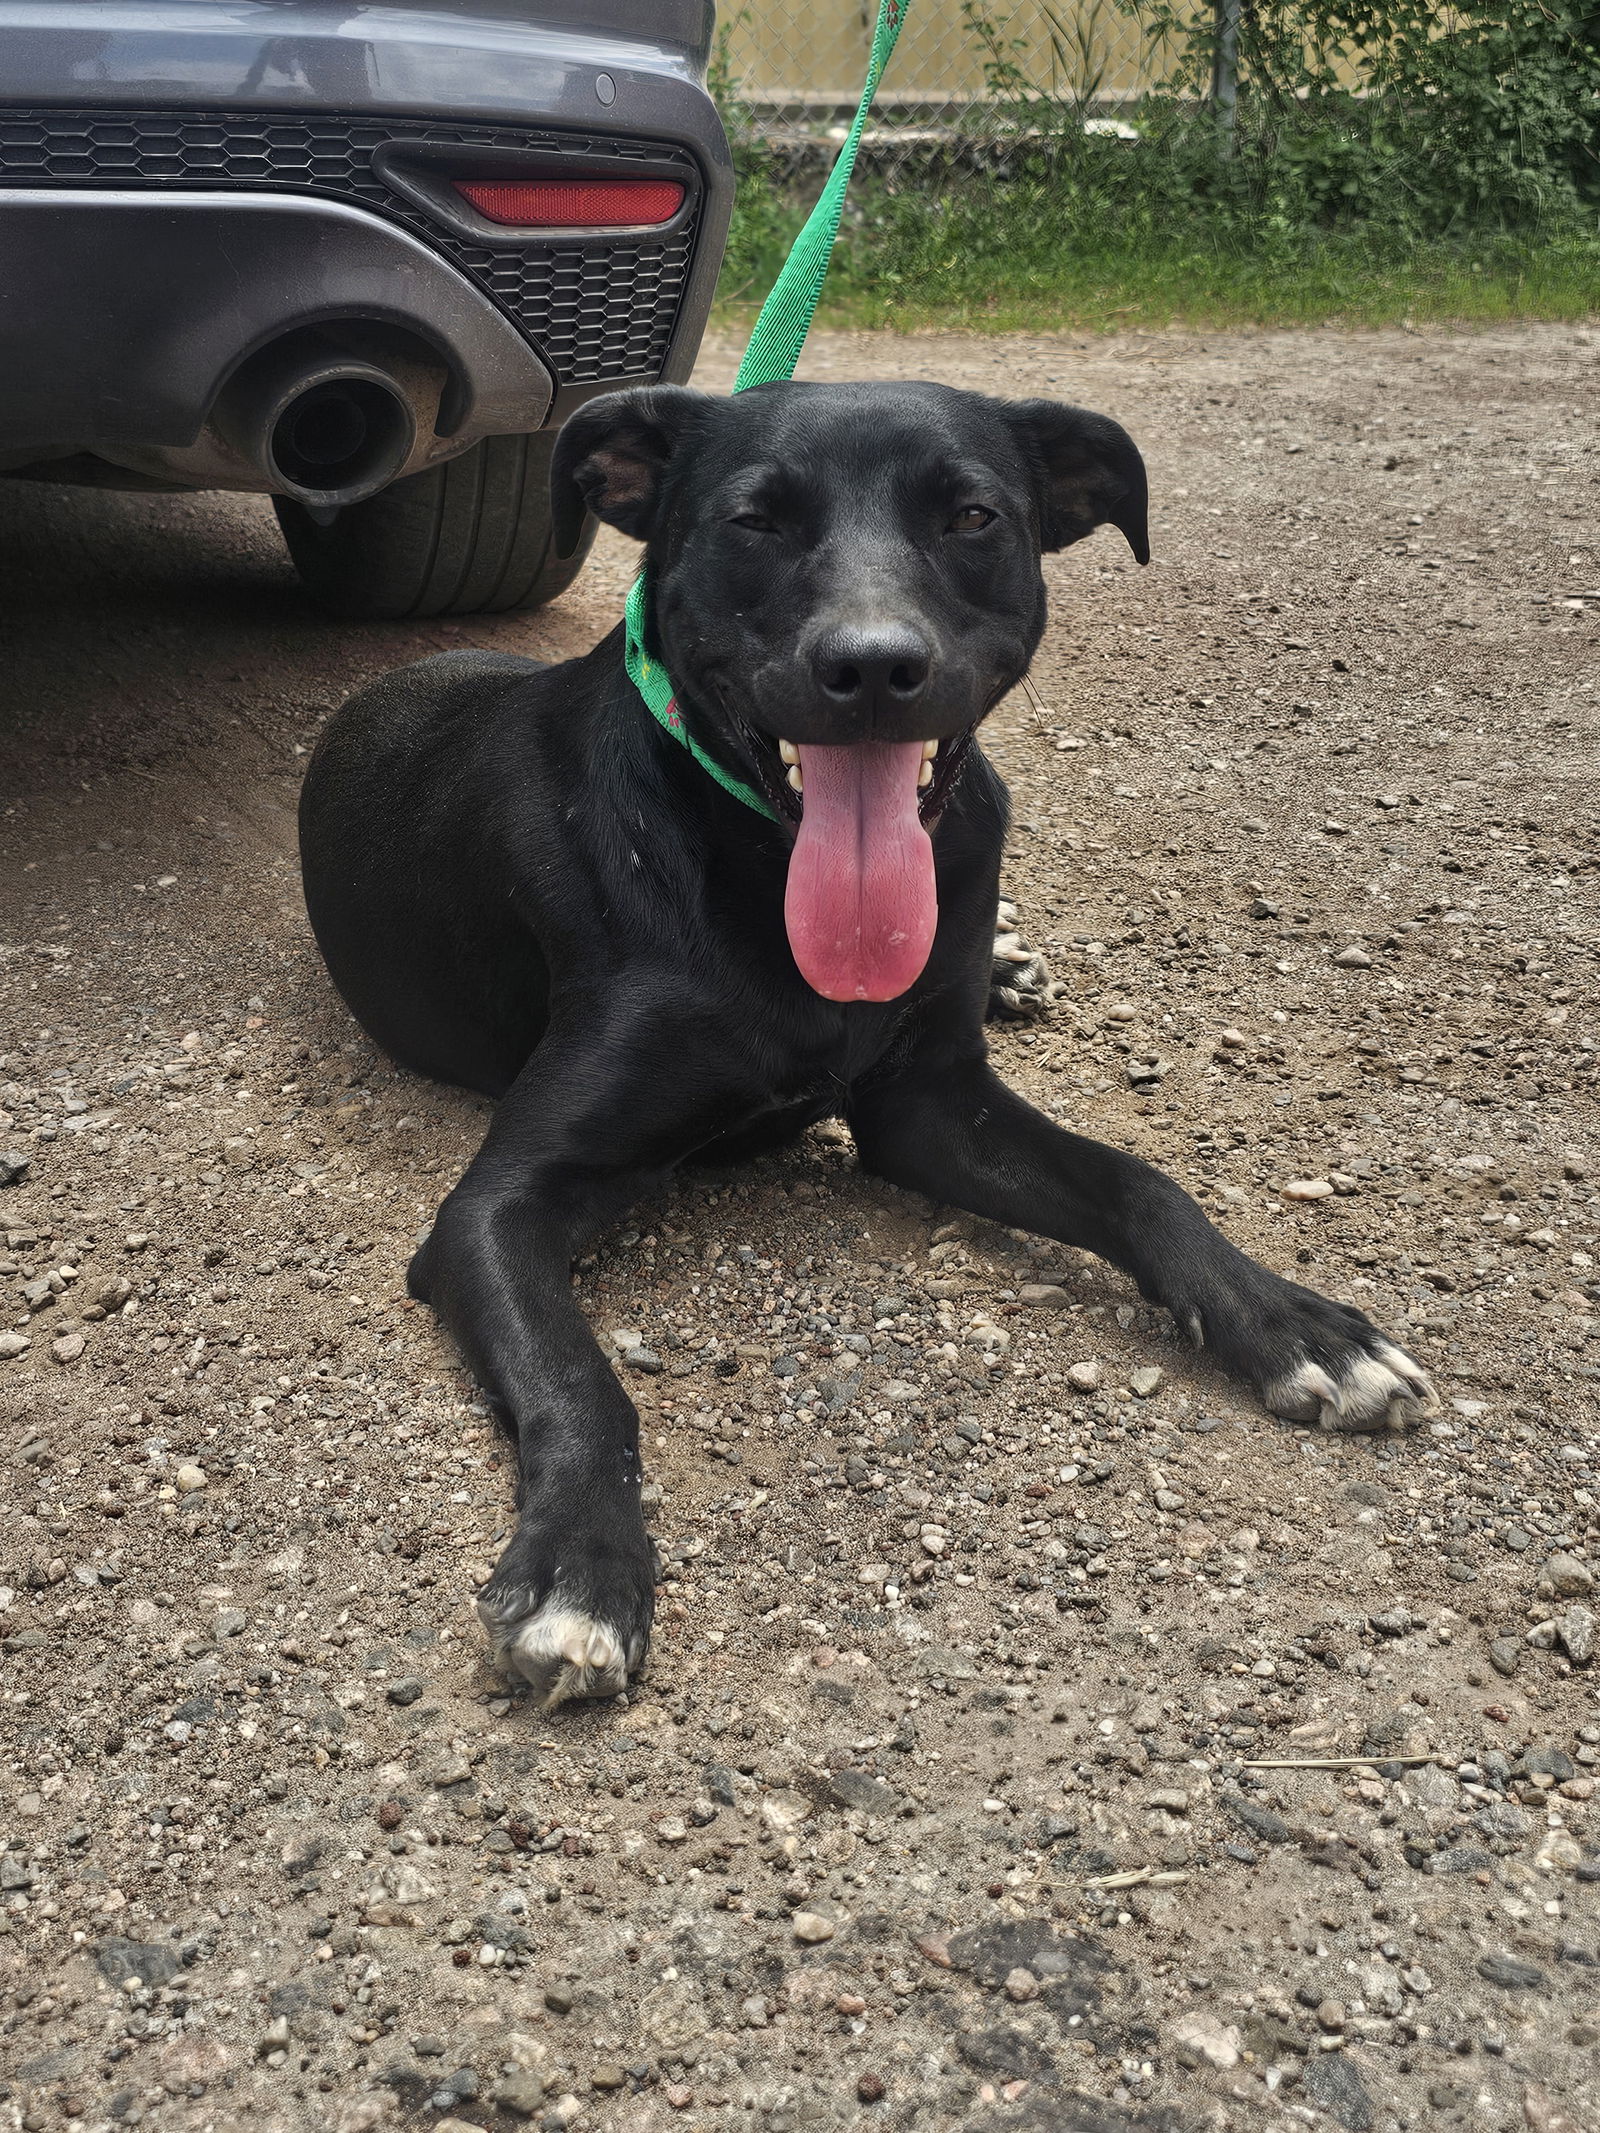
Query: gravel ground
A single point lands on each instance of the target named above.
(1036, 1735)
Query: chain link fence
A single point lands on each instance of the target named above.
(969, 78)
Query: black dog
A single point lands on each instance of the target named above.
(522, 883)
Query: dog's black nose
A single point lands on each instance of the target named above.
(861, 669)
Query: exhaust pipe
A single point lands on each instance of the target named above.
(326, 430)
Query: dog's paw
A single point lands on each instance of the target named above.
(572, 1621)
(1313, 1360)
(1370, 1389)
(1021, 988)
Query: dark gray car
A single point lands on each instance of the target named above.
(364, 259)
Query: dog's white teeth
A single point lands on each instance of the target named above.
(929, 750)
(796, 782)
(925, 775)
(788, 752)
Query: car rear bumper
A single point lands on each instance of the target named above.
(228, 176)
(124, 315)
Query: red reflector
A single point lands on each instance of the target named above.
(568, 203)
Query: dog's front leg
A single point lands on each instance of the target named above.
(593, 1122)
(948, 1126)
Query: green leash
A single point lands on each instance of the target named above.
(774, 349)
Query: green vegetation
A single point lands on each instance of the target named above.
(1004, 257)
(1464, 183)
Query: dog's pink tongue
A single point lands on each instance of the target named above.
(861, 905)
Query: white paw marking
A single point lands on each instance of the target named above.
(560, 1651)
(1382, 1391)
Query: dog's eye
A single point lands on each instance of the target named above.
(972, 520)
(753, 522)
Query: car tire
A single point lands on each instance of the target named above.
(471, 537)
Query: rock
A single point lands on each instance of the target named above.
(673, 2016)
(302, 1850)
(1043, 1295)
(1510, 1972)
(1085, 1377)
(155, 1963)
(405, 1689)
(671, 1830)
(1332, 2082)
(189, 1478)
(13, 1345)
(784, 1810)
(1308, 1189)
(1458, 1859)
(1203, 2037)
(1566, 1578)
(1260, 1821)
(858, 1789)
(1505, 1654)
(1146, 1382)
(1545, 1759)
(520, 2094)
(1559, 1853)
(811, 1927)
(68, 1348)
(409, 1885)
(1171, 1802)
(1006, 2053)
(13, 1167)
(1353, 958)
(643, 1359)
(1021, 1985)
(1380, 1988)
(1576, 1630)
(869, 2087)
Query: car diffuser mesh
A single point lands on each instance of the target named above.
(595, 310)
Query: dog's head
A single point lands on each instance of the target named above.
(844, 581)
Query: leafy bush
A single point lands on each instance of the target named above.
(1486, 112)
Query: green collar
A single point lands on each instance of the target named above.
(654, 684)
(776, 340)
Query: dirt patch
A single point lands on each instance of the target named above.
(955, 1792)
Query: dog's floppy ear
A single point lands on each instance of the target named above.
(610, 458)
(1087, 473)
